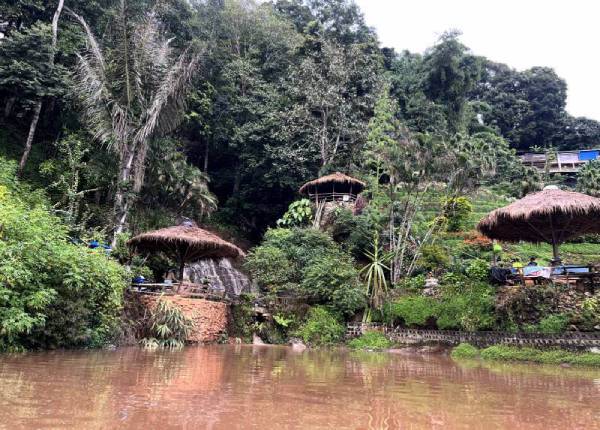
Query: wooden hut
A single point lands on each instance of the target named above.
(336, 187)
(185, 243)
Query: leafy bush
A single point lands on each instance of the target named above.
(457, 211)
(412, 310)
(478, 270)
(242, 317)
(169, 327)
(309, 262)
(553, 324)
(299, 214)
(433, 257)
(370, 340)
(464, 350)
(465, 304)
(332, 279)
(52, 293)
(269, 266)
(321, 328)
(414, 284)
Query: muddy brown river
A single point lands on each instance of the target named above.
(246, 387)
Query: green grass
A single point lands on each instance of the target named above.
(464, 350)
(370, 340)
(531, 355)
(574, 253)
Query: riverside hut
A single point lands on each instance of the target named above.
(185, 243)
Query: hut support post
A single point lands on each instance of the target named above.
(555, 251)
(555, 255)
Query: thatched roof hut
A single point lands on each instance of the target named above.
(552, 215)
(185, 243)
(333, 185)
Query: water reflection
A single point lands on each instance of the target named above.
(228, 387)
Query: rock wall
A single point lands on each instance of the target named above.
(210, 318)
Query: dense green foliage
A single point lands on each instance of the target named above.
(321, 328)
(370, 340)
(285, 91)
(464, 303)
(52, 293)
(307, 262)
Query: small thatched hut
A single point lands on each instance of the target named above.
(185, 243)
(552, 216)
(334, 187)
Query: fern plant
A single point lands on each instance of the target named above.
(169, 327)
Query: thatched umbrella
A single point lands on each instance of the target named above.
(552, 216)
(343, 181)
(185, 243)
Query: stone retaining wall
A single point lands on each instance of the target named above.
(568, 340)
(210, 318)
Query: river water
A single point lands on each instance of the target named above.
(266, 387)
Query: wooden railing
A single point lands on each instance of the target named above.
(331, 197)
(187, 289)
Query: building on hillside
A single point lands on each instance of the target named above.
(564, 162)
(330, 192)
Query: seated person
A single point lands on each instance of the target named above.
(532, 262)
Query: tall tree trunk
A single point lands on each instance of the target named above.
(29, 142)
(38, 106)
(206, 155)
(122, 195)
(10, 102)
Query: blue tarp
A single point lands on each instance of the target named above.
(588, 155)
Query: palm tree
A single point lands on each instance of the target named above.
(132, 89)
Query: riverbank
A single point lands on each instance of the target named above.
(526, 354)
(377, 341)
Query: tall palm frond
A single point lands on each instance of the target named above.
(132, 90)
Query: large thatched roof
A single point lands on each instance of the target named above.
(334, 178)
(187, 241)
(546, 216)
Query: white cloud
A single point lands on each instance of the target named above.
(521, 33)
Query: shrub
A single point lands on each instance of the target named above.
(370, 340)
(465, 304)
(321, 328)
(169, 327)
(457, 211)
(478, 270)
(433, 257)
(332, 279)
(52, 293)
(465, 350)
(412, 310)
(553, 324)
(299, 213)
(242, 317)
(309, 262)
(269, 266)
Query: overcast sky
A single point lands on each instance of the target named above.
(561, 34)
